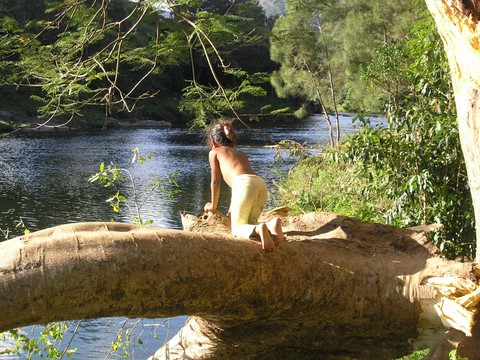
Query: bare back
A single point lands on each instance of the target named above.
(231, 162)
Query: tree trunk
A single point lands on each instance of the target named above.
(336, 287)
(458, 25)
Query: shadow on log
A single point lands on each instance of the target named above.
(336, 288)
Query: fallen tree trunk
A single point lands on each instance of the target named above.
(336, 287)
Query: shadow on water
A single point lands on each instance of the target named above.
(44, 182)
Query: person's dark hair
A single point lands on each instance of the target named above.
(222, 133)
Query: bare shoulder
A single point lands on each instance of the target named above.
(220, 154)
(222, 150)
(227, 154)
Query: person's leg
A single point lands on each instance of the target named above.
(245, 195)
(240, 206)
(274, 226)
(261, 193)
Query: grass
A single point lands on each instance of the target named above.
(319, 185)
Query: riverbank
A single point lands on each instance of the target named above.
(10, 122)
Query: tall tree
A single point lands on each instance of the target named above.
(323, 47)
(458, 23)
(368, 27)
(303, 50)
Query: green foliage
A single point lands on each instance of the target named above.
(301, 49)
(47, 344)
(412, 171)
(77, 53)
(369, 27)
(383, 73)
(113, 176)
(453, 356)
(54, 340)
(422, 354)
(207, 102)
(418, 164)
(318, 36)
(302, 112)
(417, 355)
(78, 56)
(126, 339)
(20, 224)
(419, 156)
(227, 73)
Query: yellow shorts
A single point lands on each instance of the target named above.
(249, 195)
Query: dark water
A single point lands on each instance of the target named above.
(44, 182)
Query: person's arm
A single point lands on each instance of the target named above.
(215, 182)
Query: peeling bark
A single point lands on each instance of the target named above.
(458, 25)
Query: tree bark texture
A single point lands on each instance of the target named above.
(336, 287)
(458, 25)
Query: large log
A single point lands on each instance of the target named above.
(335, 287)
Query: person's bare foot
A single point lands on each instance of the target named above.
(275, 228)
(267, 242)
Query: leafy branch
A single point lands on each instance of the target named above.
(112, 176)
(47, 344)
(78, 56)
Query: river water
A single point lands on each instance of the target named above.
(44, 182)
